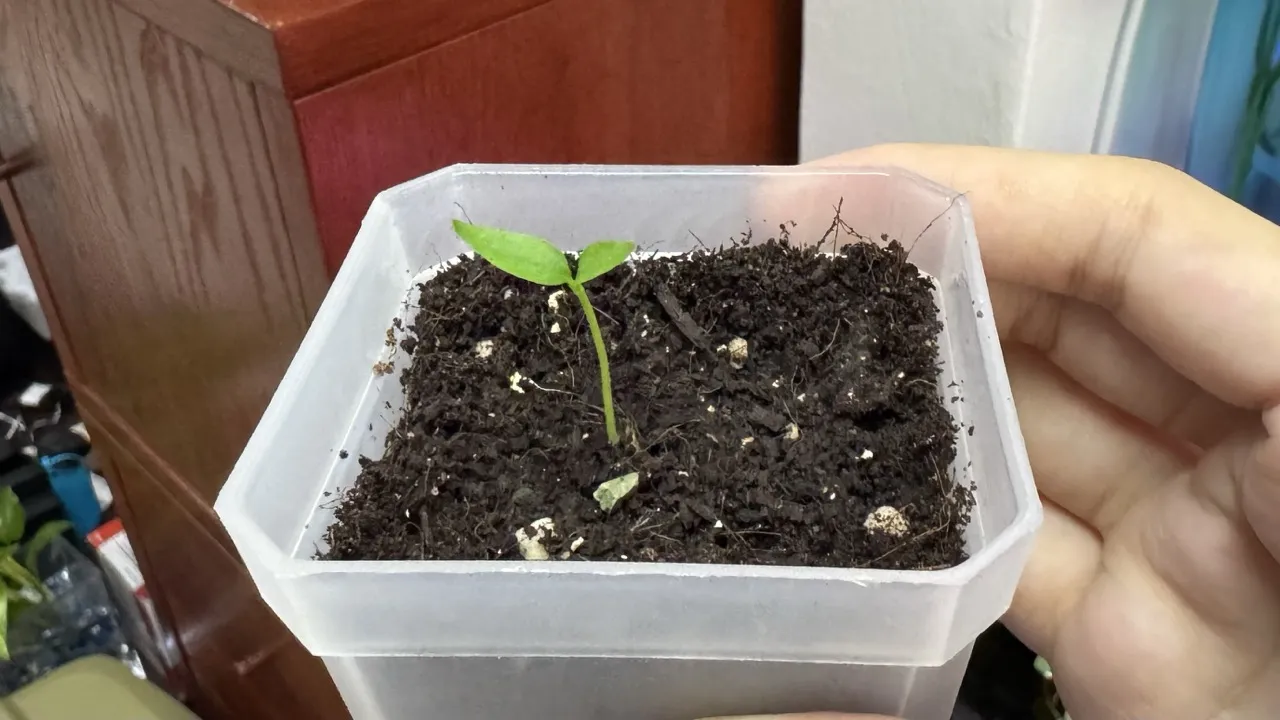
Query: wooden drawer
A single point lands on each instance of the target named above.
(237, 651)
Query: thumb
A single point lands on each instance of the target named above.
(1262, 486)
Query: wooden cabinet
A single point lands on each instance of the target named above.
(242, 660)
(193, 174)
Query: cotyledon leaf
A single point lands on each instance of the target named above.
(527, 257)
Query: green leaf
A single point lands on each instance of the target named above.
(528, 257)
(11, 570)
(600, 257)
(40, 541)
(4, 623)
(12, 519)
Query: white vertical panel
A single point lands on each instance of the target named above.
(1154, 106)
(1074, 46)
(1068, 75)
(918, 70)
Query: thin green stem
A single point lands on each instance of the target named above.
(606, 387)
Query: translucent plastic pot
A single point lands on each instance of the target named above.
(507, 640)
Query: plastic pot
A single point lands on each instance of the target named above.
(500, 640)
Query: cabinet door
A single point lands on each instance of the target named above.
(157, 211)
(246, 664)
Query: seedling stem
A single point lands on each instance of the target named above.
(534, 259)
(606, 385)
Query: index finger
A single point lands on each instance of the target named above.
(1190, 272)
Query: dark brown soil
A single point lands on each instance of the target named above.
(841, 348)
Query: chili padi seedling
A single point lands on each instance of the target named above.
(532, 258)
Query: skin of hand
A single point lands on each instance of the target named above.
(1139, 313)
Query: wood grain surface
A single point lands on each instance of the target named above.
(660, 81)
(167, 225)
(17, 137)
(163, 234)
(226, 36)
(249, 665)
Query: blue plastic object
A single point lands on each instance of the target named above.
(1224, 87)
(73, 485)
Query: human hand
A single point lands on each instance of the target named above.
(1140, 316)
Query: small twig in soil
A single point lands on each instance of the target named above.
(937, 475)
(913, 539)
(607, 316)
(424, 525)
(834, 228)
(664, 433)
(760, 532)
(830, 344)
(849, 229)
(681, 319)
(408, 500)
(551, 390)
(790, 415)
(699, 241)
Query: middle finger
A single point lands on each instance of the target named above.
(1095, 350)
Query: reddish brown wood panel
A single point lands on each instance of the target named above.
(163, 229)
(627, 81)
(177, 680)
(323, 43)
(245, 663)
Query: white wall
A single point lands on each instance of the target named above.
(1049, 74)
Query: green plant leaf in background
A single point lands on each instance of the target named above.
(12, 518)
(528, 257)
(1252, 126)
(19, 578)
(40, 541)
(4, 623)
(600, 257)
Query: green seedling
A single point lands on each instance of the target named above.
(532, 258)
